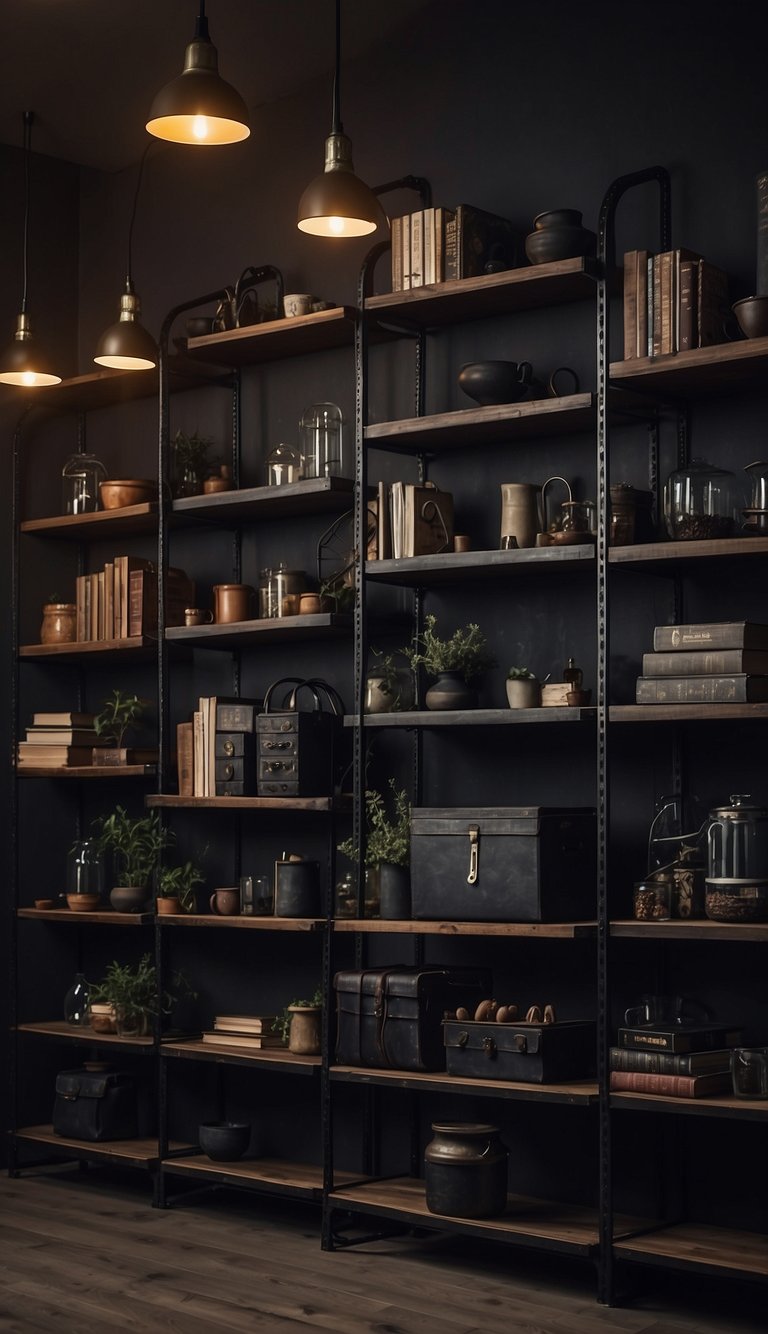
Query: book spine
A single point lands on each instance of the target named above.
(429, 246)
(713, 306)
(701, 689)
(654, 331)
(396, 232)
(761, 188)
(667, 297)
(687, 304)
(80, 634)
(703, 662)
(439, 245)
(671, 1086)
(630, 305)
(185, 759)
(417, 248)
(649, 305)
(197, 747)
(723, 634)
(406, 229)
(641, 283)
(666, 1063)
(450, 246)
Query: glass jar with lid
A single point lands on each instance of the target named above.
(701, 501)
(280, 592)
(322, 441)
(80, 478)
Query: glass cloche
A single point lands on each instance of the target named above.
(80, 478)
(701, 501)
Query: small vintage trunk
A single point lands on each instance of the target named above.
(503, 864)
(296, 754)
(235, 760)
(393, 1017)
(524, 1053)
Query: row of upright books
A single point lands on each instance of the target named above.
(435, 245)
(120, 600)
(673, 301)
(717, 662)
(677, 1061)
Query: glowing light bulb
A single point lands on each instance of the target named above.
(28, 377)
(200, 127)
(336, 226)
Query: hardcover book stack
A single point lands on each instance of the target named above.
(216, 751)
(120, 601)
(673, 301)
(436, 245)
(58, 741)
(243, 1030)
(678, 1061)
(713, 663)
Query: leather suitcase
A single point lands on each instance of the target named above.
(503, 864)
(95, 1105)
(525, 1053)
(392, 1017)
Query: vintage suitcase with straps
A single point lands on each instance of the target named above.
(95, 1105)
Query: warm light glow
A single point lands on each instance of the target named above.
(203, 130)
(29, 379)
(126, 363)
(336, 226)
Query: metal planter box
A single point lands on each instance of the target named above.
(523, 1053)
(503, 864)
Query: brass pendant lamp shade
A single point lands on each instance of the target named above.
(199, 107)
(126, 345)
(338, 203)
(22, 362)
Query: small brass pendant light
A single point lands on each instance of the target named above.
(199, 107)
(126, 345)
(22, 362)
(338, 203)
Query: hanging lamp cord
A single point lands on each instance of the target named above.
(337, 127)
(27, 144)
(201, 27)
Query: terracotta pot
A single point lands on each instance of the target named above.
(167, 906)
(115, 495)
(83, 902)
(233, 602)
(304, 1033)
(59, 623)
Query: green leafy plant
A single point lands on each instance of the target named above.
(191, 451)
(387, 839)
(178, 882)
(341, 594)
(137, 844)
(132, 990)
(118, 713)
(282, 1022)
(520, 674)
(390, 682)
(465, 652)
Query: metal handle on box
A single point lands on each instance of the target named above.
(474, 851)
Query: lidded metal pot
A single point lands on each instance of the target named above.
(465, 1170)
(737, 861)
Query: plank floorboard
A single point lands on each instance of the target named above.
(86, 1254)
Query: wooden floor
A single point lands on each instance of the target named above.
(84, 1253)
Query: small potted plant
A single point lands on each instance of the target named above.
(132, 993)
(118, 713)
(388, 688)
(455, 662)
(176, 889)
(191, 462)
(387, 851)
(300, 1025)
(137, 846)
(523, 689)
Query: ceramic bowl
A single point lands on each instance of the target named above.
(115, 495)
(43, 905)
(752, 316)
(224, 1141)
(197, 326)
(83, 902)
(490, 382)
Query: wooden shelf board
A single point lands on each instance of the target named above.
(101, 526)
(138, 646)
(244, 923)
(277, 338)
(647, 555)
(559, 1227)
(545, 930)
(272, 1058)
(699, 1247)
(681, 713)
(525, 288)
(56, 1028)
(86, 771)
(274, 1175)
(475, 717)
(288, 804)
(104, 916)
(742, 1109)
(578, 1092)
(464, 566)
(697, 929)
(703, 370)
(471, 427)
(132, 1152)
(317, 495)
(322, 625)
(106, 388)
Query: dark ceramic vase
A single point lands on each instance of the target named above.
(224, 1141)
(489, 382)
(394, 892)
(128, 898)
(450, 691)
(559, 234)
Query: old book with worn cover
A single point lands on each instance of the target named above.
(709, 1037)
(185, 762)
(670, 1086)
(737, 689)
(706, 662)
(709, 635)
(671, 1063)
(481, 238)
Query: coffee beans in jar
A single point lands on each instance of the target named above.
(652, 900)
(736, 903)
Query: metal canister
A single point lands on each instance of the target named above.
(466, 1170)
(297, 888)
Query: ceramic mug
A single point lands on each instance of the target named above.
(226, 902)
(232, 603)
(297, 303)
(197, 616)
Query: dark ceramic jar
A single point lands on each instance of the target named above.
(465, 1170)
(558, 234)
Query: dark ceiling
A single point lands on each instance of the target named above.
(89, 69)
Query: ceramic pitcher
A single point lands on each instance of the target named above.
(519, 513)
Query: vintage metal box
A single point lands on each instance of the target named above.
(503, 863)
(235, 761)
(527, 1053)
(392, 1017)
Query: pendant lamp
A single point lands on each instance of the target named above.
(338, 203)
(23, 363)
(126, 345)
(198, 107)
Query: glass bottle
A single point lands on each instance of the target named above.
(573, 675)
(76, 1002)
(80, 478)
(322, 441)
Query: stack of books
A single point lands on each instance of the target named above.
(58, 741)
(678, 1061)
(243, 1030)
(216, 750)
(713, 663)
(120, 601)
(673, 301)
(435, 245)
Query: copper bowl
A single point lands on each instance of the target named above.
(115, 495)
(83, 902)
(752, 316)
